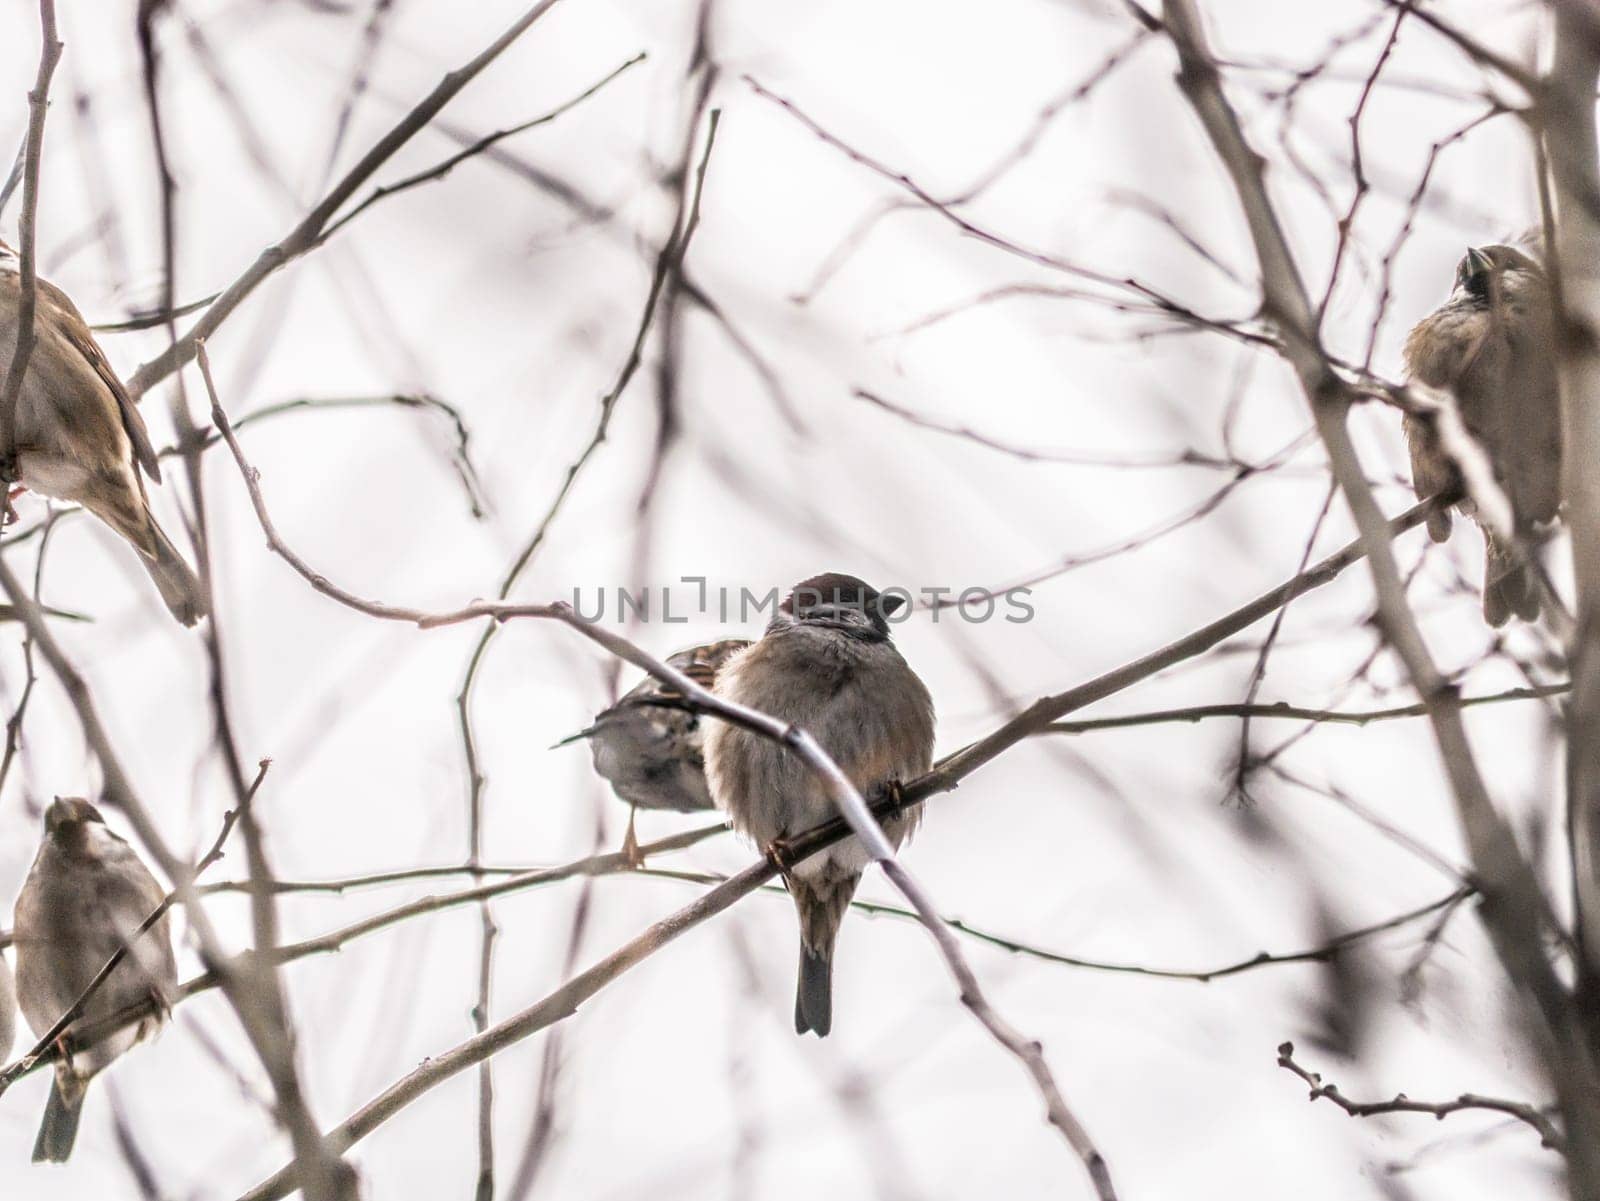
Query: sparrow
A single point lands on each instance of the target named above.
(1492, 345)
(826, 664)
(649, 744)
(85, 896)
(79, 436)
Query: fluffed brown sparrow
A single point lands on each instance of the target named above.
(825, 664)
(1492, 345)
(85, 896)
(79, 436)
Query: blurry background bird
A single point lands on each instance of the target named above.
(79, 436)
(85, 897)
(649, 744)
(827, 665)
(1491, 345)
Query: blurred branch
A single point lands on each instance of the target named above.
(488, 930)
(1295, 712)
(1189, 515)
(1076, 458)
(621, 864)
(1413, 208)
(1073, 94)
(903, 181)
(443, 168)
(33, 149)
(668, 262)
(1258, 670)
(1549, 1136)
(156, 317)
(1324, 952)
(557, 1006)
(1569, 137)
(1362, 186)
(563, 1002)
(118, 791)
(360, 76)
(1474, 49)
(14, 176)
(1515, 909)
(460, 452)
(668, 265)
(1182, 319)
(31, 677)
(324, 944)
(304, 236)
(948, 772)
(675, 842)
(326, 1176)
(858, 820)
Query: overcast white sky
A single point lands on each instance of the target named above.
(684, 1078)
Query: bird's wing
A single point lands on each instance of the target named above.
(1431, 472)
(700, 663)
(704, 662)
(77, 334)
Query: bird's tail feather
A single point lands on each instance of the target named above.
(1508, 587)
(813, 997)
(821, 904)
(180, 588)
(59, 1130)
(175, 579)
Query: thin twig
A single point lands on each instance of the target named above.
(22, 350)
(1516, 910)
(304, 236)
(1283, 709)
(1549, 1136)
(443, 168)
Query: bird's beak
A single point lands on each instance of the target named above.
(1478, 263)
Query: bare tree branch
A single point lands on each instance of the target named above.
(1549, 1136)
(33, 149)
(1515, 909)
(1283, 709)
(443, 168)
(305, 236)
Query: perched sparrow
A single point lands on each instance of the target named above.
(825, 664)
(79, 436)
(85, 896)
(8, 1009)
(1492, 345)
(648, 745)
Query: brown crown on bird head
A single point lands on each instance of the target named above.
(834, 597)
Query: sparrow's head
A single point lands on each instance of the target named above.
(840, 602)
(1488, 275)
(68, 819)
